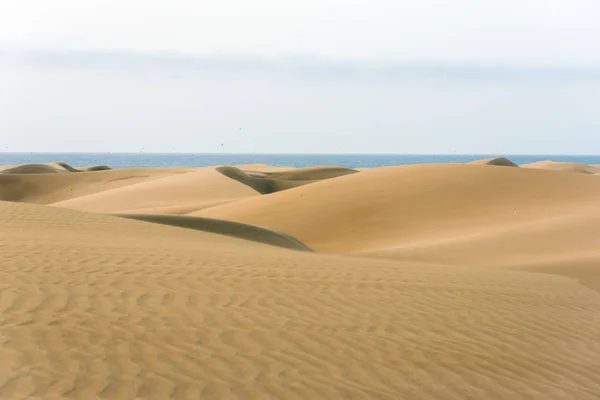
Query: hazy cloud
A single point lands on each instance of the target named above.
(297, 66)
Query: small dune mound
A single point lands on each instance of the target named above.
(49, 168)
(95, 168)
(498, 161)
(260, 184)
(62, 166)
(48, 188)
(222, 227)
(276, 181)
(564, 166)
(182, 189)
(33, 169)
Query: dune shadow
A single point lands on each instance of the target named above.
(223, 227)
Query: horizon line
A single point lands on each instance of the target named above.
(304, 154)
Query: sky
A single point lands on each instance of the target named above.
(327, 76)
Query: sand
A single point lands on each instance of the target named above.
(499, 161)
(413, 282)
(564, 166)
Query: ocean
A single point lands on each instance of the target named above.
(159, 160)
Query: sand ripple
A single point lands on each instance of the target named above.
(101, 307)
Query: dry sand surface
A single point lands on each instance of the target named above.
(564, 166)
(254, 282)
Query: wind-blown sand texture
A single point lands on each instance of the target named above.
(413, 282)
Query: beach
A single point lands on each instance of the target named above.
(432, 281)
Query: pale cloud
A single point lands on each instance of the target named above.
(291, 66)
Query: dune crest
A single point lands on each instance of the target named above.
(266, 182)
(94, 168)
(499, 161)
(564, 166)
(230, 228)
(49, 168)
(33, 169)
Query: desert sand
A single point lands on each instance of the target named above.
(441, 281)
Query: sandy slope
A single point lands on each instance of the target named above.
(456, 214)
(46, 188)
(366, 211)
(177, 194)
(49, 168)
(198, 188)
(267, 181)
(564, 166)
(96, 306)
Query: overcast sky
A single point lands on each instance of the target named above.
(379, 76)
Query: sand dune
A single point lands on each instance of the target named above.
(457, 214)
(49, 188)
(426, 282)
(49, 168)
(32, 169)
(266, 182)
(97, 306)
(94, 168)
(564, 166)
(566, 244)
(192, 190)
(499, 161)
(388, 206)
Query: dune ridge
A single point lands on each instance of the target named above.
(193, 189)
(50, 188)
(49, 168)
(564, 167)
(271, 181)
(230, 228)
(499, 161)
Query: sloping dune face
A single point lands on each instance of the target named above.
(413, 203)
(448, 214)
(564, 166)
(176, 194)
(265, 181)
(230, 228)
(49, 168)
(33, 169)
(96, 306)
(47, 188)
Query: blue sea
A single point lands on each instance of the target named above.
(159, 160)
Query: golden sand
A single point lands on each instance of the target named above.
(416, 282)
